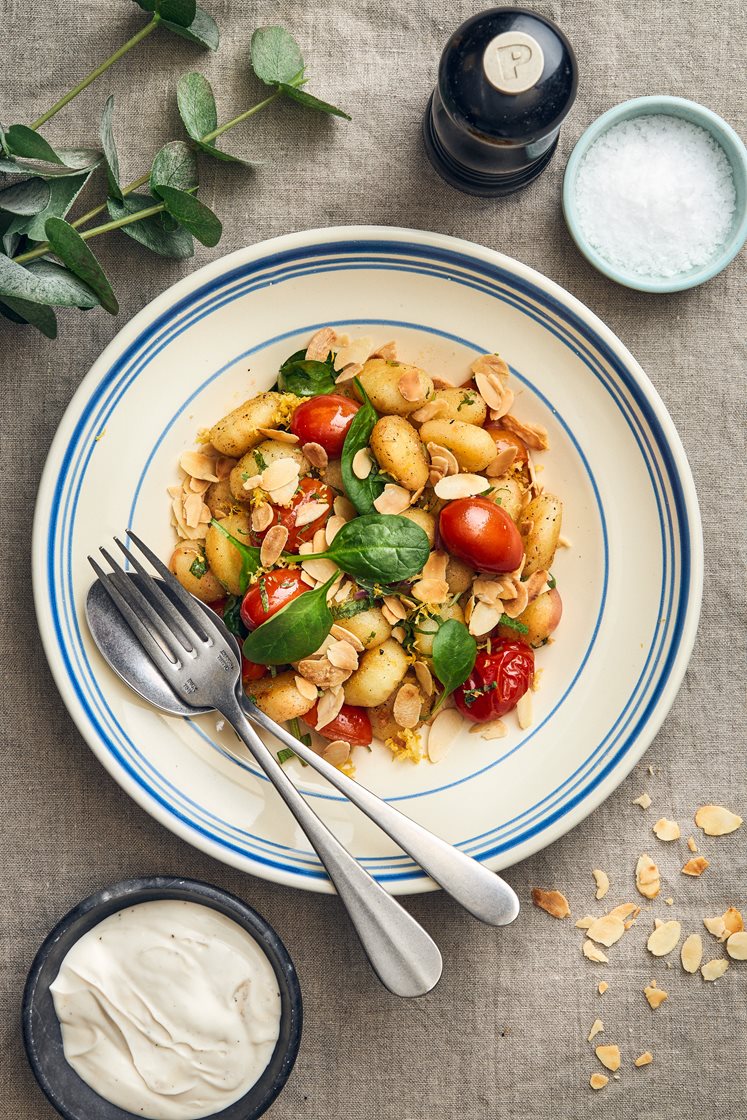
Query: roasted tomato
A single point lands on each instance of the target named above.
(324, 420)
(310, 491)
(269, 594)
(351, 724)
(497, 682)
(504, 439)
(482, 534)
(250, 671)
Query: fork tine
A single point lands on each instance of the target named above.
(194, 614)
(157, 621)
(158, 656)
(162, 607)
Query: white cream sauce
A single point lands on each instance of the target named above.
(168, 1009)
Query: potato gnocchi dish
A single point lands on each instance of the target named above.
(378, 541)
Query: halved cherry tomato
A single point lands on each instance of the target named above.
(324, 420)
(309, 490)
(481, 533)
(250, 671)
(218, 606)
(504, 439)
(351, 724)
(497, 682)
(271, 592)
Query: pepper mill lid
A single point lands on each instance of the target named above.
(507, 79)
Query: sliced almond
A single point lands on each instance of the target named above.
(322, 672)
(716, 926)
(338, 631)
(431, 590)
(598, 1081)
(606, 930)
(596, 1027)
(609, 1056)
(493, 729)
(280, 474)
(279, 436)
(351, 370)
(320, 344)
(443, 731)
(316, 455)
(344, 508)
(395, 606)
(736, 946)
(431, 410)
(502, 462)
(602, 987)
(460, 486)
(644, 1059)
(443, 459)
(273, 544)
(664, 938)
(407, 706)
(534, 435)
(594, 953)
(644, 801)
(310, 511)
(524, 710)
(625, 910)
(667, 830)
(262, 517)
(491, 364)
(425, 678)
(654, 995)
(328, 707)
(586, 922)
(337, 753)
(733, 921)
(552, 902)
(362, 463)
(393, 499)
(712, 970)
(695, 866)
(358, 351)
(691, 844)
(332, 528)
(413, 385)
(343, 656)
(715, 820)
(306, 688)
(496, 394)
(691, 953)
(192, 506)
(483, 619)
(252, 483)
(399, 634)
(602, 881)
(199, 465)
(647, 878)
(388, 352)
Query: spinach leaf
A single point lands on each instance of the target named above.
(383, 548)
(454, 653)
(232, 617)
(362, 492)
(250, 562)
(297, 630)
(306, 378)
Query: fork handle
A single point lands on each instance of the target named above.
(483, 893)
(403, 955)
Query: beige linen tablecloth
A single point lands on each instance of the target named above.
(504, 1034)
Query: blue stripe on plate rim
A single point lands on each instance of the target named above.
(458, 266)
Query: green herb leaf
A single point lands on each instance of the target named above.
(25, 198)
(275, 55)
(73, 251)
(351, 608)
(381, 548)
(111, 158)
(306, 378)
(198, 567)
(23, 141)
(250, 562)
(312, 102)
(203, 30)
(297, 630)
(192, 214)
(513, 624)
(63, 288)
(43, 318)
(174, 166)
(362, 492)
(454, 653)
(232, 617)
(552, 583)
(63, 193)
(153, 233)
(194, 96)
(286, 754)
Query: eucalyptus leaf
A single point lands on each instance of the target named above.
(111, 159)
(180, 12)
(23, 141)
(211, 150)
(174, 166)
(25, 198)
(75, 161)
(454, 653)
(192, 214)
(64, 288)
(3, 145)
(70, 247)
(63, 193)
(39, 316)
(379, 548)
(362, 492)
(203, 30)
(159, 233)
(275, 55)
(17, 282)
(297, 630)
(194, 96)
(312, 102)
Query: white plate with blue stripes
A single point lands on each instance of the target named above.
(631, 579)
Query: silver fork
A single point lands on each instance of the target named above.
(203, 667)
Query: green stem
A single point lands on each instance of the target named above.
(136, 38)
(133, 186)
(241, 117)
(45, 248)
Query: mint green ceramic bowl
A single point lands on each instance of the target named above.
(735, 152)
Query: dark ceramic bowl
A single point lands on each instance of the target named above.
(41, 1029)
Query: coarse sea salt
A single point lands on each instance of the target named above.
(655, 196)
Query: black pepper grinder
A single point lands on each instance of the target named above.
(506, 81)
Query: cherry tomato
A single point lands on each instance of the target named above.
(497, 682)
(504, 439)
(351, 724)
(218, 606)
(309, 490)
(482, 534)
(269, 594)
(324, 420)
(250, 671)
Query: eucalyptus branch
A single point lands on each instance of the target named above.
(210, 136)
(128, 189)
(105, 227)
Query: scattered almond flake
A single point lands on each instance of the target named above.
(625, 910)
(602, 987)
(518, 604)
(714, 969)
(654, 995)
(199, 465)
(736, 946)
(320, 344)
(602, 881)
(279, 474)
(647, 878)
(431, 410)
(310, 511)
(193, 504)
(715, 820)
(320, 570)
(413, 385)
(316, 455)
(495, 392)
(388, 352)
(502, 462)
(606, 930)
(491, 364)
(493, 729)
(306, 688)
(322, 672)
(695, 866)
(691, 844)
(658, 922)
(609, 1056)
(332, 528)
(393, 499)
(716, 926)
(586, 922)
(262, 518)
(308, 580)
(483, 619)
(362, 463)
(524, 712)
(565, 542)
(338, 631)
(552, 902)
(594, 953)
(443, 731)
(691, 953)
(442, 383)
(344, 508)
(395, 606)
(278, 435)
(430, 590)
(343, 655)
(328, 707)
(733, 921)
(358, 351)
(425, 679)
(534, 435)
(351, 370)
(391, 618)
(407, 705)
(645, 1059)
(667, 830)
(199, 485)
(449, 465)
(399, 634)
(651, 771)
(435, 565)
(598, 1080)
(305, 548)
(252, 483)
(337, 753)
(669, 901)
(275, 541)
(460, 486)
(665, 937)
(596, 1027)
(644, 801)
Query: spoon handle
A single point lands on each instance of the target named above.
(483, 893)
(403, 955)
